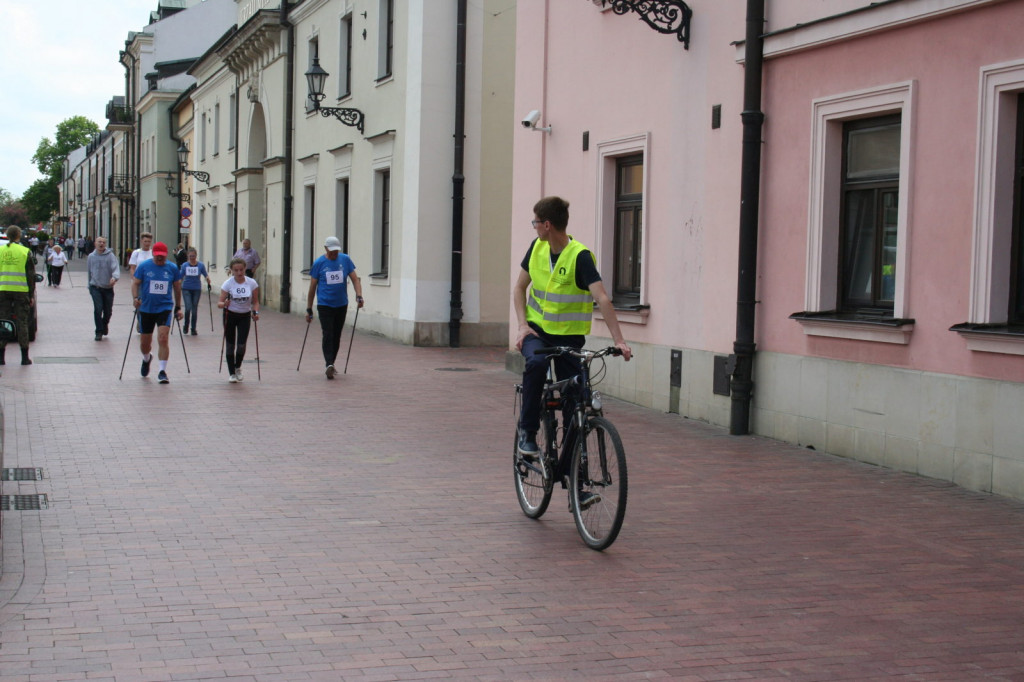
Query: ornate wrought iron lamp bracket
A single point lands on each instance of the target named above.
(350, 117)
(664, 16)
(183, 196)
(201, 176)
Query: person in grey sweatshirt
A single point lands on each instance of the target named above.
(103, 275)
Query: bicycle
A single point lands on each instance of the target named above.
(592, 467)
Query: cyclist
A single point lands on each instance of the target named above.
(563, 282)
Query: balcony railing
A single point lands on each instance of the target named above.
(121, 185)
(120, 115)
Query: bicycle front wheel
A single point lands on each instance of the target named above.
(598, 484)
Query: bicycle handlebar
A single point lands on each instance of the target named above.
(578, 352)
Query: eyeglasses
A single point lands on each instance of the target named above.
(535, 223)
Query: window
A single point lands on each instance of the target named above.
(858, 228)
(309, 225)
(629, 188)
(216, 129)
(341, 213)
(345, 57)
(314, 54)
(870, 198)
(385, 38)
(995, 320)
(382, 224)
(232, 118)
(202, 137)
(1016, 313)
(621, 241)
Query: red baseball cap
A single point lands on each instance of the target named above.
(159, 249)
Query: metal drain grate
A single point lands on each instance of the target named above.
(21, 474)
(23, 502)
(454, 369)
(64, 361)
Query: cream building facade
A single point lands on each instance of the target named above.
(381, 176)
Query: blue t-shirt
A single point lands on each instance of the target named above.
(332, 279)
(157, 286)
(191, 275)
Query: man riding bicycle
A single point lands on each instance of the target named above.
(563, 282)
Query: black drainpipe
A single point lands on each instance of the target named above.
(458, 179)
(742, 384)
(289, 116)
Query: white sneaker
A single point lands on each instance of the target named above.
(330, 371)
(238, 374)
(233, 379)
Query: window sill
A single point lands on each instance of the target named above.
(378, 278)
(856, 327)
(991, 338)
(628, 314)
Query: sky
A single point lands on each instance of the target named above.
(58, 59)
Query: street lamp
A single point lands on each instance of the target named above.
(202, 176)
(315, 79)
(184, 196)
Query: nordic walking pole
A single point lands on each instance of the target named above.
(349, 354)
(182, 342)
(256, 329)
(209, 297)
(304, 337)
(132, 331)
(223, 339)
(67, 270)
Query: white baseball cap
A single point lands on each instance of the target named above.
(332, 244)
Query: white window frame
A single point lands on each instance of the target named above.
(1000, 84)
(345, 29)
(823, 227)
(608, 153)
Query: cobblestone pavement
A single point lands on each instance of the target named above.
(366, 528)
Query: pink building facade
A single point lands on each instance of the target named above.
(890, 275)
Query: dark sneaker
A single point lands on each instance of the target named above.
(330, 371)
(99, 337)
(162, 377)
(145, 366)
(588, 499)
(194, 332)
(528, 447)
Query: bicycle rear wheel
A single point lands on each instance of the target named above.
(532, 488)
(598, 484)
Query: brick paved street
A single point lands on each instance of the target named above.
(366, 528)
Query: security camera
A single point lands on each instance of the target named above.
(530, 120)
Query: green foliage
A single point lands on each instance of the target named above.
(71, 134)
(40, 200)
(6, 198)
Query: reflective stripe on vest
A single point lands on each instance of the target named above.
(13, 259)
(555, 303)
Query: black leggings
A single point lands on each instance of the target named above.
(236, 333)
(332, 321)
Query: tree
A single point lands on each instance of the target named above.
(40, 200)
(71, 134)
(6, 198)
(13, 213)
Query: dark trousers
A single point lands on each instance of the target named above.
(102, 307)
(236, 334)
(332, 321)
(15, 306)
(533, 379)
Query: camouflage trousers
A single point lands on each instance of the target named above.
(15, 306)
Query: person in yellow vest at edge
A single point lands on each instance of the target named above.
(17, 289)
(563, 281)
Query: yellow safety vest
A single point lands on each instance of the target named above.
(13, 259)
(555, 303)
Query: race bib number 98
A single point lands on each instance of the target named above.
(158, 287)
